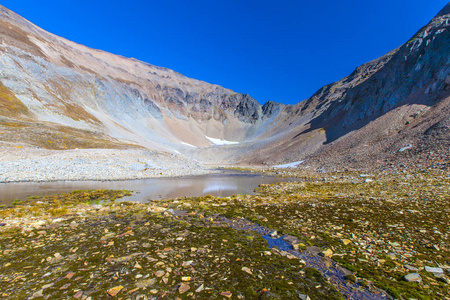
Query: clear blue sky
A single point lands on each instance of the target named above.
(280, 50)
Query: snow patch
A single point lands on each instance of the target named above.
(220, 142)
(289, 165)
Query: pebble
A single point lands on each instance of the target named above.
(434, 270)
(226, 294)
(411, 268)
(327, 253)
(303, 297)
(184, 288)
(115, 290)
(413, 277)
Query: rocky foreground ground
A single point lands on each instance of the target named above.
(349, 235)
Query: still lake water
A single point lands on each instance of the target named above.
(226, 183)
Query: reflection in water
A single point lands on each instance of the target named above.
(220, 185)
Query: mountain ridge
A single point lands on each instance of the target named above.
(46, 78)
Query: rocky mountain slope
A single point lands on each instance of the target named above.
(397, 101)
(57, 94)
(49, 79)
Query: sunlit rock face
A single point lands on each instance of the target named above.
(55, 80)
(48, 80)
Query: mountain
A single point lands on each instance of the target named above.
(70, 96)
(45, 78)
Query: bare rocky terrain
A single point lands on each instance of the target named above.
(57, 95)
(366, 219)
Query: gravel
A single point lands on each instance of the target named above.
(30, 164)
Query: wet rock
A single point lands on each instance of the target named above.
(413, 277)
(291, 239)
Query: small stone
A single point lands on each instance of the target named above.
(115, 290)
(184, 288)
(345, 241)
(159, 273)
(411, 268)
(441, 278)
(247, 270)
(434, 270)
(145, 283)
(137, 266)
(186, 278)
(226, 294)
(200, 288)
(413, 277)
(327, 253)
(273, 234)
(303, 297)
(78, 295)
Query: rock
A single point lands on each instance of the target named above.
(368, 180)
(115, 290)
(413, 277)
(247, 270)
(184, 288)
(346, 241)
(226, 294)
(273, 234)
(442, 278)
(434, 270)
(137, 266)
(326, 253)
(186, 278)
(159, 273)
(303, 297)
(291, 239)
(145, 283)
(411, 268)
(200, 288)
(138, 167)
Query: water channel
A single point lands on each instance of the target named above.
(222, 184)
